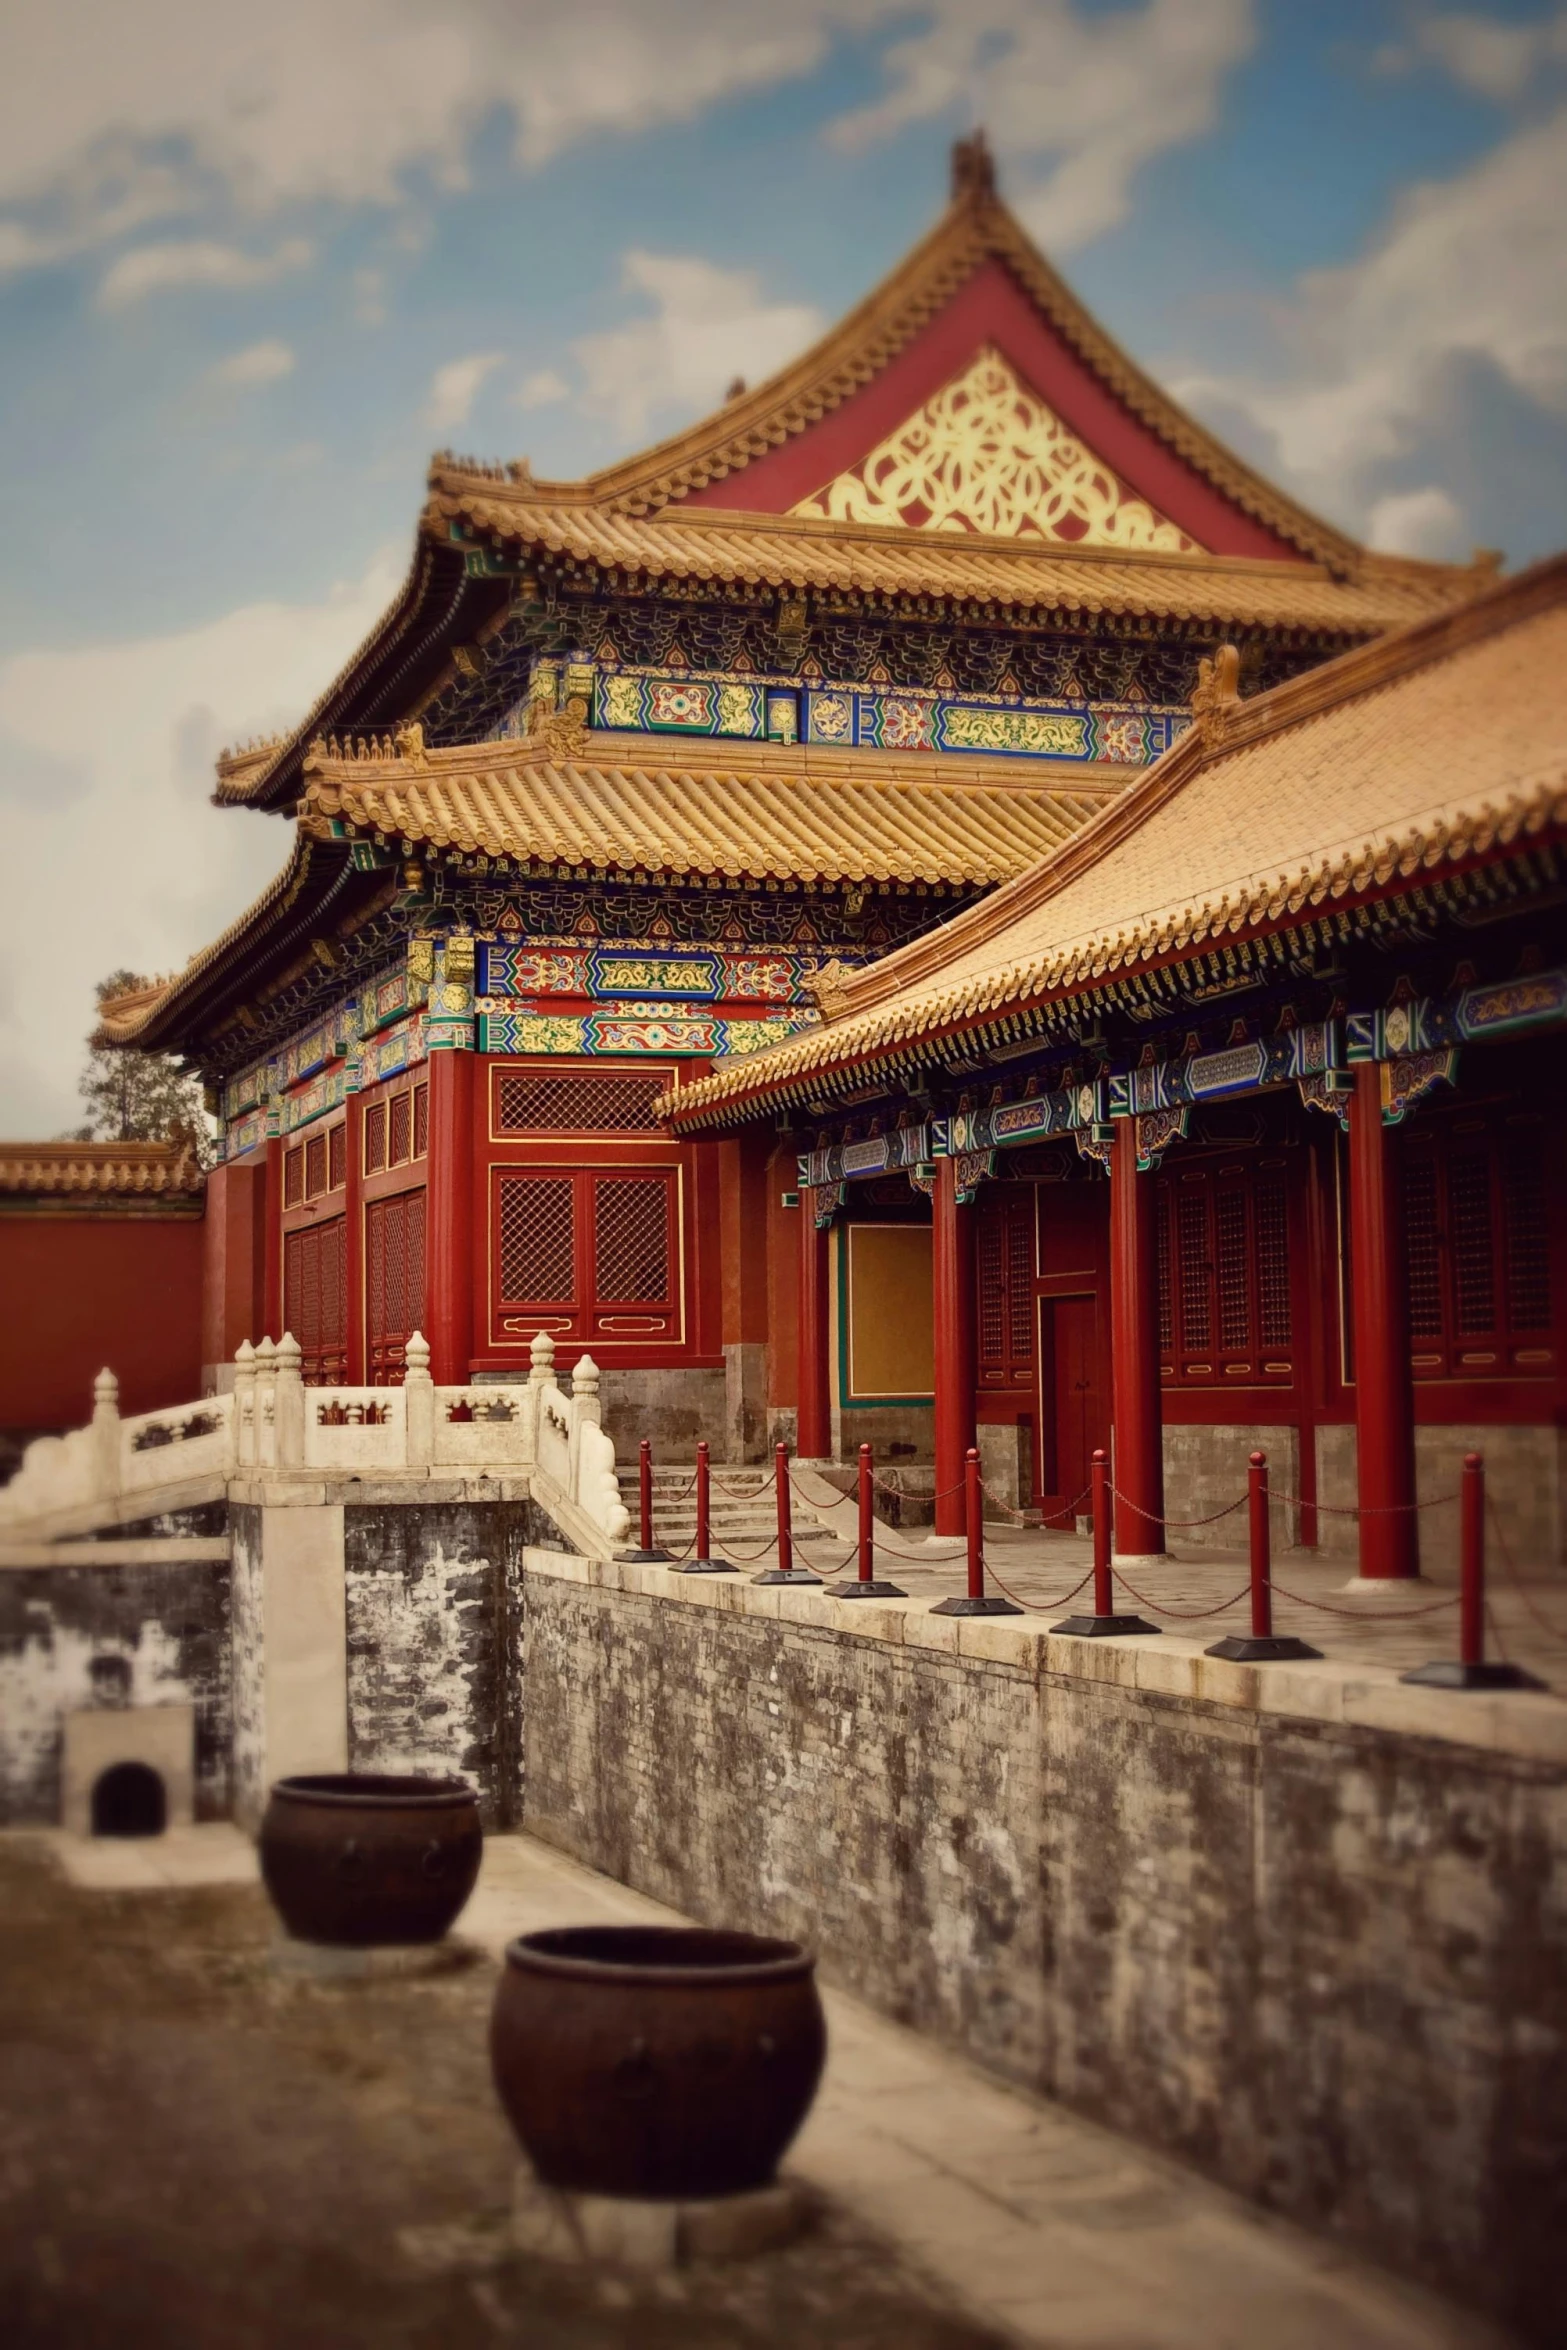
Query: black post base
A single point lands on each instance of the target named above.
(1258, 1648)
(875, 1589)
(1099, 1627)
(786, 1575)
(1448, 1673)
(643, 1558)
(705, 1567)
(962, 1605)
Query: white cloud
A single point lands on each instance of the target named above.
(1467, 270)
(111, 745)
(1417, 522)
(708, 325)
(258, 363)
(196, 261)
(1497, 61)
(455, 388)
(1084, 97)
(113, 119)
(542, 388)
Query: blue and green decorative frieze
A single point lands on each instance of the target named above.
(1500, 1008)
(670, 1029)
(704, 975)
(887, 718)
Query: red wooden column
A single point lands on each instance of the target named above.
(356, 1374)
(1134, 1352)
(448, 1207)
(272, 1242)
(1384, 1392)
(813, 1429)
(953, 1316)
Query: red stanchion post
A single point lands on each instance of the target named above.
(1104, 1619)
(786, 1571)
(702, 1561)
(1262, 1646)
(867, 1584)
(647, 1551)
(1471, 1669)
(975, 1601)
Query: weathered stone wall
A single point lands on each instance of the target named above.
(673, 1409)
(1205, 1469)
(1319, 1958)
(434, 1622)
(157, 1634)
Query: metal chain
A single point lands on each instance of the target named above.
(1182, 1615)
(1513, 1575)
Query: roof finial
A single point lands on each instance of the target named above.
(973, 169)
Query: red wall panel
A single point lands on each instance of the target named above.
(80, 1293)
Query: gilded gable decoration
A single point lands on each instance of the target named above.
(986, 454)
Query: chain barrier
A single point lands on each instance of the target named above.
(1339, 1509)
(1365, 1615)
(746, 1493)
(903, 1493)
(1180, 1615)
(1515, 1578)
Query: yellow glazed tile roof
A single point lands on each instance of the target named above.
(1021, 575)
(1398, 760)
(99, 1170)
(766, 812)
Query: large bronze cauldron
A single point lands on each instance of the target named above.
(362, 1858)
(656, 2061)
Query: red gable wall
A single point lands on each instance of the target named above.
(992, 308)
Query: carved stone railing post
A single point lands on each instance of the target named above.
(541, 1377)
(244, 1405)
(418, 1402)
(266, 1404)
(106, 1435)
(586, 1410)
(289, 1422)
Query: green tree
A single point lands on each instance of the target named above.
(139, 1097)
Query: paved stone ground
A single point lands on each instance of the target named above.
(199, 2154)
(1401, 1627)
(196, 2155)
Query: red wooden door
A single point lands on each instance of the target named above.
(1073, 1417)
(394, 1282)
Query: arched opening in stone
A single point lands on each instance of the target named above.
(128, 1800)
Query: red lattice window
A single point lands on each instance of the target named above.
(293, 1176)
(394, 1281)
(315, 1166)
(535, 1102)
(631, 1240)
(1224, 1273)
(400, 1129)
(1477, 1250)
(588, 1251)
(1005, 1282)
(421, 1120)
(315, 1299)
(538, 1240)
(337, 1153)
(375, 1138)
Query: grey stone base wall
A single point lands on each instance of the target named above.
(1206, 1468)
(674, 1409)
(1525, 1476)
(1322, 1962)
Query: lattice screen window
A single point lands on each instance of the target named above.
(538, 1240)
(631, 1240)
(1224, 1273)
(1477, 1248)
(375, 1138)
(421, 1120)
(399, 1129)
(536, 1102)
(315, 1299)
(337, 1153)
(293, 1176)
(394, 1281)
(315, 1166)
(1005, 1286)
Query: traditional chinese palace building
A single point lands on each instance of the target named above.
(620, 847)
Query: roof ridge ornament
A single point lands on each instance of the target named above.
(973, 170)
(1216, 697)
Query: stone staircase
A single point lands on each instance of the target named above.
(744, 1515)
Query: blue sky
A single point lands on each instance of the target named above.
(255, 265)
